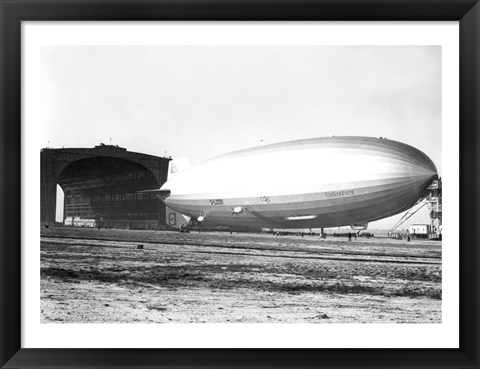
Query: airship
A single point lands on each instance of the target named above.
(311, 183)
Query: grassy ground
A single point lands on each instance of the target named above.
(90, 275)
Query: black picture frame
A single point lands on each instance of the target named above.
(13, 12)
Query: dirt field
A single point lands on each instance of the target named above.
(94, 276)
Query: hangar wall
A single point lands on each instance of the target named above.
(103, 183)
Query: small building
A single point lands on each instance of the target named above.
(419, 230)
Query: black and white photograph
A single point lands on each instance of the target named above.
(243, 184)
(239, 184)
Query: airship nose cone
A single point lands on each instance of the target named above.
(422, 168)
(429, 166)
(429, 169)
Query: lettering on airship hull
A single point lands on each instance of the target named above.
(342, 193)
(216, 202)
(265, 199)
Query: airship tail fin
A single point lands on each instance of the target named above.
(175, 219)
(177, 166)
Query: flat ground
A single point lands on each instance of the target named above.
(97, 276)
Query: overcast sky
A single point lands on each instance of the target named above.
(201, 101)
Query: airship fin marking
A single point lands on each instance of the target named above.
(178, 165)
(175, 219)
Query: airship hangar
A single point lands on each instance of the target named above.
(102, 187)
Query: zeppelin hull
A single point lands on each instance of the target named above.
(325, 182)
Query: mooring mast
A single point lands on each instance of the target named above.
(434, 200)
